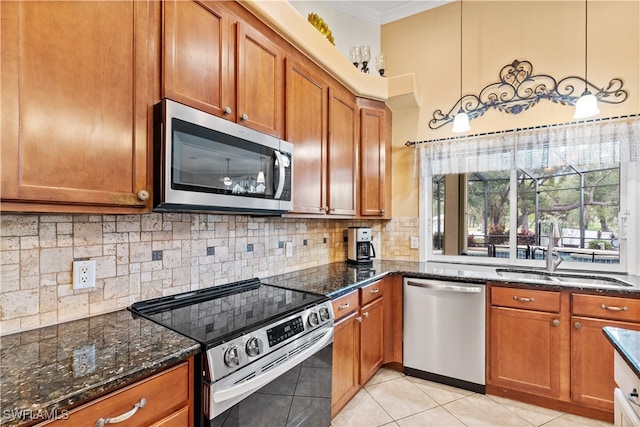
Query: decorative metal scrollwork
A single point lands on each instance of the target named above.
(519, 89)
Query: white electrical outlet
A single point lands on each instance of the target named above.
(84, 360)
(84, 274)
(415, 243)
(288, 249)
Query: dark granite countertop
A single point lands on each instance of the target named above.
(38, 379)
(37, 367)
(339, 278)
(627, 343)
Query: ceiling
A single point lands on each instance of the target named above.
(383, 12)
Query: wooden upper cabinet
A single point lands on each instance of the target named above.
(342, 152)
(260, 82)
(198, 56)
(306, 119)
(373, 162)
(77, 89)
(216, 62)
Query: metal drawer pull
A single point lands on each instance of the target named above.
(343, 306)
(359, 319)
(366, 314)
(374, 291)
(101, 422)
(523, 299)
(613, 308)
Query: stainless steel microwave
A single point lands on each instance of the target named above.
(206, 163)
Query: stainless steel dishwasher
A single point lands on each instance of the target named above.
(444, 332)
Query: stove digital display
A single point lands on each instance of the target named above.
(285, 330)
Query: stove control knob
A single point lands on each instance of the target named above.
(324, 314)
(232, 357)
(313, 319)
(253, 347)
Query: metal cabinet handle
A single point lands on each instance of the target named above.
(244, 117)
(523, 299)
(365, 314)
(374, 291)
(577, 325)
(382, 211)
(343, 306)
(359, 319)
(556, 322)
(143, 195)
(101, 422)
(227, 110)
(613, 308)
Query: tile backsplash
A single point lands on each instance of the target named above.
(196, 251)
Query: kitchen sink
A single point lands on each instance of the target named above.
(562, 279)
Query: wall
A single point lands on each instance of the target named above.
(347, 30)
(548, 34)
(37, 253)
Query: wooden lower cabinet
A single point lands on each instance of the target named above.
(365, 336)
(346, 344)
(554, 354)
(371, 339)
(525, 350)
(168, 401)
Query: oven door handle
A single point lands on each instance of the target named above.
(261, 380)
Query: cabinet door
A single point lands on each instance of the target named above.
(197, 56)
(372, 162)
(592, 378)
(346, 343)
(76, 93)
(342, 152)
(524, 350)
(371, 339)
(260, 81)
(306, 124)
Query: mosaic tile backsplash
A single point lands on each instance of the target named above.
(146, 256)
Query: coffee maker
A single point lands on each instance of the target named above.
(360, 250)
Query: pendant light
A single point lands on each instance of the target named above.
(587, 104)
(461, 120)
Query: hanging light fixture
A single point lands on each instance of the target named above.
(461, 120)
(587, 104)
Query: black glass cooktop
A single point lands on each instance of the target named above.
(214, 315)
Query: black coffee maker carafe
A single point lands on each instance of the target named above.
(360, 250)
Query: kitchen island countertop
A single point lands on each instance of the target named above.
(627, 343)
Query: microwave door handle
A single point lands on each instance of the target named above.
(281, 176)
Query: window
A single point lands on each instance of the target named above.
(580, 178)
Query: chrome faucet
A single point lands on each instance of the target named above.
(552, 263)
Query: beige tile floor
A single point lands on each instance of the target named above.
(393, 399)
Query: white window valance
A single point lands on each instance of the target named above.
(595, 142)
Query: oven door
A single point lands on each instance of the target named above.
(288, 388)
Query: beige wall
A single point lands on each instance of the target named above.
(549, 34)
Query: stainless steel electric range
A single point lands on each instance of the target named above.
(267, 353)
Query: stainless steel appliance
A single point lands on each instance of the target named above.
(359, 246)
(205, 163)
(444, 332)
(267, 352)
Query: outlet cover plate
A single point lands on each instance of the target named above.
(84, 274)
(84, 360)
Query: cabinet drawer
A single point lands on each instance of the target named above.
(164, 393)
(345, 304)
(527, 299)
(370, 292)
(606, 307)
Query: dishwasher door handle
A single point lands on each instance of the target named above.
(439, 286)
